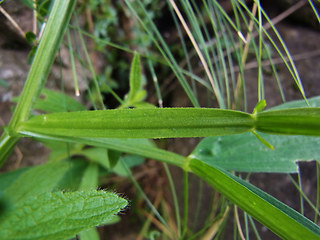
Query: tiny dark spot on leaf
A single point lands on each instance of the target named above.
(42, 96)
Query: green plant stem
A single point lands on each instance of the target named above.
(7, 144)
(175, 198)
(186, 203)
(318, 191)
(52, 36)
(57, 23)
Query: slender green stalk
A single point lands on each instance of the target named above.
(175, 198)
(304, 196)
(318, 191)
(57, 23)
(52, 36)
(186, 203)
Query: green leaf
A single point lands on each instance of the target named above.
(52, 101)
(294, 121)
(7, 178)
(279, 218)
(129, 161)
(141, 123)
(36, 180)
(97, 155)
(73, 177)
(313, 102)
(140, 147)
(90, 177)
(60, 215)
(244, 153)
(135, 77)
(90, 234)
(114, 157)
(31, 38)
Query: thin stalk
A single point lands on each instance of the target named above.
(314, 10)
(156, 83)
(43, 60)
(315, 208)
(260, 80)
(175, 198)
(57, 23)
(164, 50)
(300, 190)
(186, 203)
(254, 228)
(137, 185)
(245, 217)
(318, 191)
(200, 55)
(91, 68)
(73, 65)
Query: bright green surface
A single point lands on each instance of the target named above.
(141, 123)
(243, 152)
(60, 215)
(281, 219)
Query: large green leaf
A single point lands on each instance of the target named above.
(244, 153)
(141, 123)
(279, 218)
(60, 215)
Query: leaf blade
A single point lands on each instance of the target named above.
(141, 123)
(282, 220)
(244, 153)
(60, 215)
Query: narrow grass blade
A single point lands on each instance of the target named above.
(279, 218)
(60, 215)
(141, 123)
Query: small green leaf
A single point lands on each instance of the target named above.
(278, 217)
(51, 101)
(114, 157)
(97, 155)
(36, 180)
(244, 153)
(90, 234)
(135, 77)
(129, 161)
(90, 177)
(7, 178)
(73, 177)
(31, 38)
(60, 215)
(259, 107)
